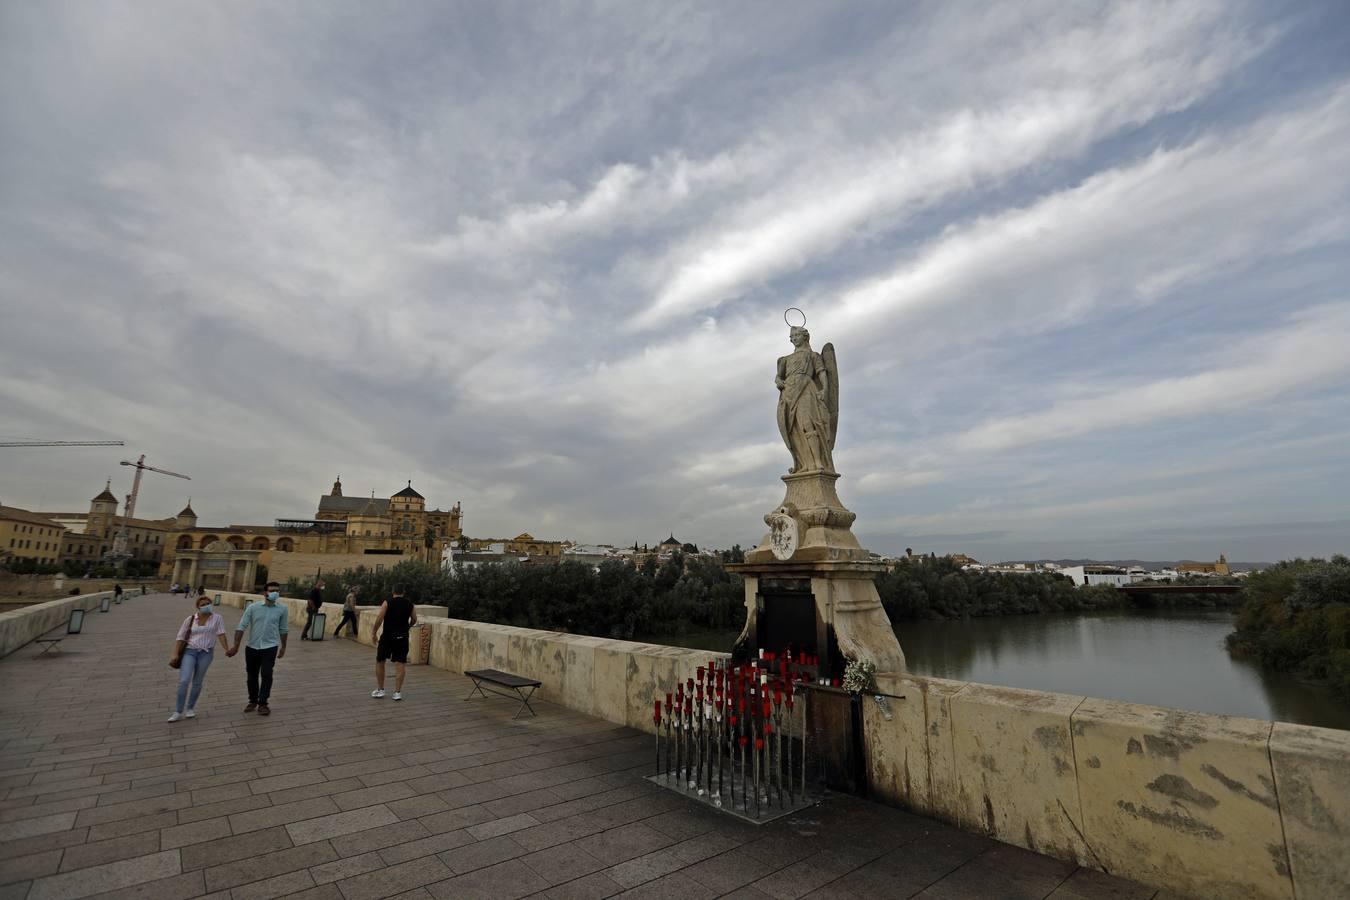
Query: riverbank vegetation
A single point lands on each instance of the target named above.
(1295, 617)
(614, 599)
(695, 594)
(937, 588)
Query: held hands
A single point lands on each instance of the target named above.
(232, 651)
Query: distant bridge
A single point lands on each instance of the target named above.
(1180, 588)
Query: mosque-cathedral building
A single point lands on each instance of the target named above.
(345, 532)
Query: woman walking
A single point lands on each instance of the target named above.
(192, 654)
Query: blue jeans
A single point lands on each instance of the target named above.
(195, 664)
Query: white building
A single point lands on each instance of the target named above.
(1087, 575)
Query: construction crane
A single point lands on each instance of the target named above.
(119, 553)
(61, 444)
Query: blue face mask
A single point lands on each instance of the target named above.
(274, 595)
(204, 609)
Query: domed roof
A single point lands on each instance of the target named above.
(106, 495)
(370, 510)
(671, 542)
(409, 492)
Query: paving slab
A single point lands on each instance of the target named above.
(339, 797)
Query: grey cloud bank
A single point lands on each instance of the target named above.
(1085, 267)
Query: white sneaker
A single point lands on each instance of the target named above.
(175, 717)
(397, 695)
(377, 693)
(190, 714)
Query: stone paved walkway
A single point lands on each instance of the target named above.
(340, 797)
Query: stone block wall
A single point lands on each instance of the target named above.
(1205, 806)
(21, 627)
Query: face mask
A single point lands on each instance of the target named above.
(204, 609)
(274, 595)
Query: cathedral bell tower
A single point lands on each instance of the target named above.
(102, 510)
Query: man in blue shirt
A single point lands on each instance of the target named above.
(266, 622)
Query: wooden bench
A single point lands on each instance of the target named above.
(521, 689)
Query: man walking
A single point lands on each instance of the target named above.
(397, 615)
(348, 614)
(267, 627)
(312, 607)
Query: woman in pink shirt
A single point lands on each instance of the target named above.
(192, 654)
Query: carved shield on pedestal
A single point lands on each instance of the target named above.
(783, 535)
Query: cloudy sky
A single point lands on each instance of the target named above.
(1085, 265)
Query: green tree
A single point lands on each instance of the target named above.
(1295, 617)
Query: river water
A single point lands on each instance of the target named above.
(1161, 658)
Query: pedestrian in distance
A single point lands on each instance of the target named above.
(117, 592)
(397, 615)
(192, 654)
(312, 607)
(266, 623)
(348, 614)
(173, 588)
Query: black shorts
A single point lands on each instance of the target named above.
(392, 646)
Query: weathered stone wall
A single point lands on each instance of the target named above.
(282, 567)
(23, 626)
(1206, 806)
(50, 587)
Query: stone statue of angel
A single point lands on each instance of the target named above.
(808, 403)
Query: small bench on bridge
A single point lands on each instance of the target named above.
(516, 688)
(73, 626)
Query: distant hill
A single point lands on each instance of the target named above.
(1149, 564)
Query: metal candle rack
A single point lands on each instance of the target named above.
(734, 737)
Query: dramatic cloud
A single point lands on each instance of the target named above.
(1084, 265)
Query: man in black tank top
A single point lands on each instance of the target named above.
(396, 616)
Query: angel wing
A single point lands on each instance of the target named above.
(832, 393)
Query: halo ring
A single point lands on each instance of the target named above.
(790, 324)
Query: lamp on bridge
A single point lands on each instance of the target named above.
(76, 621)
(103, 606)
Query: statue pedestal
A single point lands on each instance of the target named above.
(819, 597)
